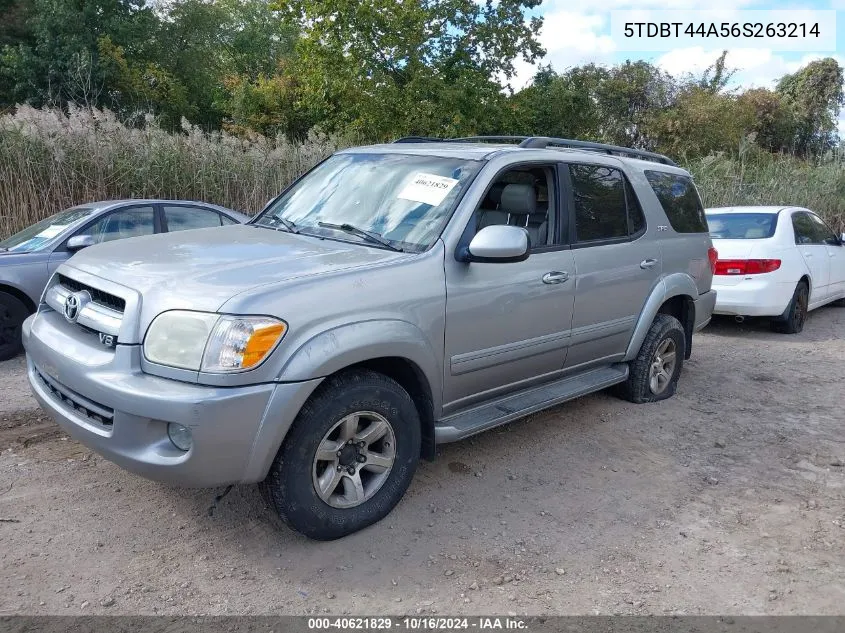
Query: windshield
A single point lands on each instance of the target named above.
(402, 201)
(742, 226)
(34, 237)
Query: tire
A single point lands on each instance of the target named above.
(13, 312)
(793, 318)
(364, 400)
(665, 336)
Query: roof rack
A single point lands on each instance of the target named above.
(540, 142)
(546, 141)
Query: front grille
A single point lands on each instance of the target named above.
(97, 296)
(94, 411)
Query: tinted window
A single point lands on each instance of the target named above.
(184, 218)
(805, 230)
(742, 226)
(823, 233)
(599, 196)
(680, 201)
(118, 225)
(636, 219)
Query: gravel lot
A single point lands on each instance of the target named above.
(726, 499)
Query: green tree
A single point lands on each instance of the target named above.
(815, 96)
(58, 60)
(773, 119)
(701, 122)
(628, 98)
(561, 105)
(381, 67)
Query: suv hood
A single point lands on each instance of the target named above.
(203, 268)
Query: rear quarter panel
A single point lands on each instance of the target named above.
(680, 252)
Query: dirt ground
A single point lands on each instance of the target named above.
(726, 499)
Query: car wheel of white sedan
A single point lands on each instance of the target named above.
(793, 319)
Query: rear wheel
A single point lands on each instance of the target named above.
(348, 458)
(653, 374)
(793, 318)
(13, 312)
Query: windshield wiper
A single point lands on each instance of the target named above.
(367, 235)
(287, 224)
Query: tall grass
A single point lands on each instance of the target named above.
(755, 177)
(50, 160)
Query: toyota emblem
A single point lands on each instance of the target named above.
(74, 304)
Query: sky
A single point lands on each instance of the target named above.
(578, 31)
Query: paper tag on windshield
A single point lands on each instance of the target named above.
(428, 189)
(51, 231)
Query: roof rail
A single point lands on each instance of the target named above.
(540, 142)
(488, 139)
(546, 141)
(419, 139)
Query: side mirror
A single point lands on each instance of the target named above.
(842, 239)
(500, 243)
(78, 242)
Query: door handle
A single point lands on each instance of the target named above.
(648, 263)
(831, 254)
(555, 277)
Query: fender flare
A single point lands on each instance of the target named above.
(676, 284)
(333, 350)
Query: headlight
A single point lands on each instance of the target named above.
(200, 341)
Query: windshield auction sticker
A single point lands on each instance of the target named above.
(428, 189)
(780, 30)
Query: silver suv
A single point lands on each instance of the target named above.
(395, 297)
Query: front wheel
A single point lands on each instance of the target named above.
(793, 318)
(653, 374)
(348, 458)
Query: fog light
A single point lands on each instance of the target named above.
(180, 436)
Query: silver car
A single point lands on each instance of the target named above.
(396, 297)
(29, 258)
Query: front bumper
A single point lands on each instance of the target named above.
(753, 297)
(236, 431)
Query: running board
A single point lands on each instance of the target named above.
(514, 406)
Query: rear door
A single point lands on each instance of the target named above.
(617, 262)
(835, 255)
(810, 243)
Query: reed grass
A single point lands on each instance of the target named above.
(52, 159)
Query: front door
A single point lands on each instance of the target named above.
(835, 257)
(507, 324)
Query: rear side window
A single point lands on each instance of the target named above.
(680, 201)
(605, 205)
(182, 218)
(742, 226)
(805, 229)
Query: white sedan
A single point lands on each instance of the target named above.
(778, 262)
